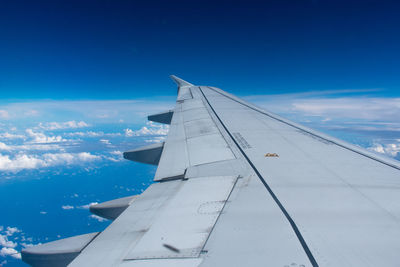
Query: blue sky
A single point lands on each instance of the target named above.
(127, 49)
(78, 78)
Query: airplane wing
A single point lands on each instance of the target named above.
(240, 186)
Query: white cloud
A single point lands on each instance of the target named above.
(4, 114)
(43, 212)
(63, 125)
(75, 134)
(24, 161)
(7, 135)
(86, 156)
(389, 149)
(10, 252)
(42, 138)
(19, 162)
(113, 159)
(150, 129)
(11, 230)
(88, 133)
(8, 246)
(117, 156)
(84, 207)
(7, 233)
(129, 132)
(68, 158)
(105, 141)
(7, 243)
(91, 134)
(4, 146)
(38, 147)
(116, 153)
(98, 218)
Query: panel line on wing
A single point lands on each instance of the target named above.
(193, 139)
(277, 201)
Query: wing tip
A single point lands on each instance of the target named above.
(180, 82)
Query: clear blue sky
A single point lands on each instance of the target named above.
(127, 49)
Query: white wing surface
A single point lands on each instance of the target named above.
(239, 186)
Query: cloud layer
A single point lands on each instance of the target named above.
(7, 247)
(39, 147)
(130, 111)
(151, 129)
(23, 161)
(390, 149)
(63, 125)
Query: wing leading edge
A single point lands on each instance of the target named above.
(236, 185)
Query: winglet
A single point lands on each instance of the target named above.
(180, 82)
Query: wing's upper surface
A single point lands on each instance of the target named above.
(239, 186)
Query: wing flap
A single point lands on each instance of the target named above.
(110, 247)
(183, 226)
(169, 220)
